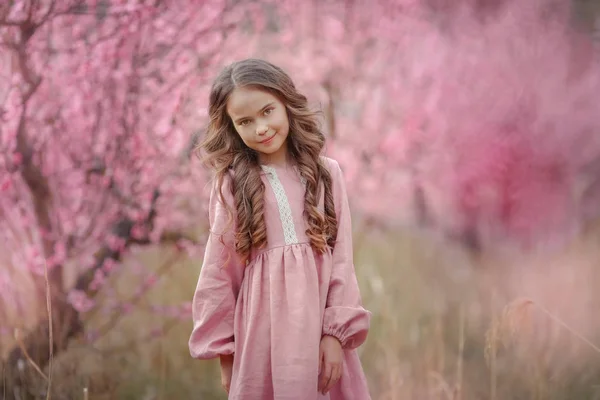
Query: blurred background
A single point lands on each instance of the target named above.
(468, 132)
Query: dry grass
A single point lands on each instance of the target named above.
(446, 326)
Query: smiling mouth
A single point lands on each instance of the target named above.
(267, 140)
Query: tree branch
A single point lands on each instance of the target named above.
(36, 342)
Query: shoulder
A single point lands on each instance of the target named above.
(337, 177)
(224, 182)
(222, 186)
(332, 166)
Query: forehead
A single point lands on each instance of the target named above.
(248, 101)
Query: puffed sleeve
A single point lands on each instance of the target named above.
(344, 318)
(218, 285)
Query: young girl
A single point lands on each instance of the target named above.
(277, 298)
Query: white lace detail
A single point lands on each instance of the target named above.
(285, 211)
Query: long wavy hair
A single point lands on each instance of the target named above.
(226, 153)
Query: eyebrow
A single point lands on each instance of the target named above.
(237, 121)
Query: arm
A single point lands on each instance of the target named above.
(217, 289)
(344, 317)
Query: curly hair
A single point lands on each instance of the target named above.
(227, 154)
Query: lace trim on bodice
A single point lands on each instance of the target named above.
(285, 211)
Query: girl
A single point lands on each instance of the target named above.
(277, 298)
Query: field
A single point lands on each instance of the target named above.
(446, 325)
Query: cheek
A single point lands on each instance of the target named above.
(245, 137)
(242, 134)
(283, 121)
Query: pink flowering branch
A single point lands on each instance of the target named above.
(71, 325)
(134, 300)
(138, 208)
(95, 149)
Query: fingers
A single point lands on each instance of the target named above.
(336, 374)
(330, 376)
(226, 383)
(321, 360)
(226, 380)
(325, 376)
(327, 383)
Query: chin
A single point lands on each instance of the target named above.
(270, 151)
(273, 147)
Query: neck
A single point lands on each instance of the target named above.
(279, 158)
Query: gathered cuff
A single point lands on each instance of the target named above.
(350, 325)
(213, 349)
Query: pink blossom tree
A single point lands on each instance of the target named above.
(474, 119)
(477, 119)
(500, 122)
(95, 144)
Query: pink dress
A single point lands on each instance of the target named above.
(273, 311)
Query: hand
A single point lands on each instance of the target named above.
(226, 370)
(330, 363)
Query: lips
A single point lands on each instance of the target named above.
(266, 141)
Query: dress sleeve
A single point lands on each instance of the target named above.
(214, 300)
(344, 318)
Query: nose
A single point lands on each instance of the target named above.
(261, 130)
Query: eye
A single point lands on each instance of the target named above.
(268, 111)
(244, 122)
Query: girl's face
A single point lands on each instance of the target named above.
(261, 121)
